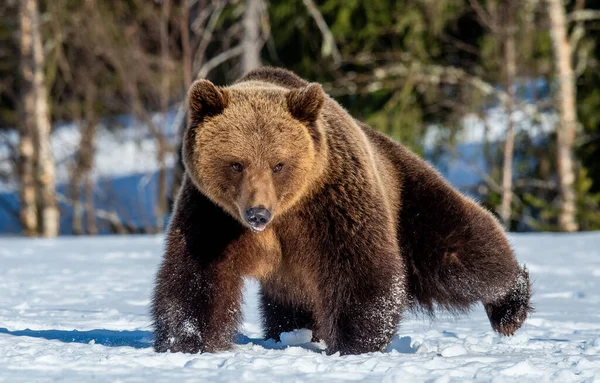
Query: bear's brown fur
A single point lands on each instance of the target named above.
(343, 227)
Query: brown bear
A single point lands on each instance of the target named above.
(343, 227)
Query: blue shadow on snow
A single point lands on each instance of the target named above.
(108, 338)
(143, 339)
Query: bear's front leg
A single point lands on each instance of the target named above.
(196, 307)
(198, 292)
(365, 312)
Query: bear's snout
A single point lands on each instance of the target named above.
(258, 217)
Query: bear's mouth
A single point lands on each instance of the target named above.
(257, 228)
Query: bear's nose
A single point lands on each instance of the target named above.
(258, 217)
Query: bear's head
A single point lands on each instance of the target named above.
(254, 149)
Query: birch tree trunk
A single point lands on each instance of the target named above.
(27, 193)
(251, 40)
(510, 58)
(36, 127)
(28, 213)
(568, 114)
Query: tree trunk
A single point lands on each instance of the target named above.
(77, 222)
(251, 40)
(37, 122)
(90, 213)
(510, 58)
(161, 206)
(568, 114)
(187, 82)
(28, 213)
(83, 168)
(186, 45)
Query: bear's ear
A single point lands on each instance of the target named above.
(205, 100)
(306, 103)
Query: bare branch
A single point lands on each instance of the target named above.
(218, 60)
(207, 36)
(329, 48)
(583, 15)
(111, 216)
(197, 24)
(484, 17)
(382, 78)
(535, 183)
(582, 51)
(465, 47)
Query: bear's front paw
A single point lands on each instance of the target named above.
(185, 344)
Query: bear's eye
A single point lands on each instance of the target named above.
(236, 166)
(278, 167)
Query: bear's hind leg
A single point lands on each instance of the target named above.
(508, 313)
(465, 275)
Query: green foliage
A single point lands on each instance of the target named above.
(400, 118)
(9, 62)
(588, 203)
(377, 28)
(547, 213)
(119, 40)
(588, 207)
(588, 95)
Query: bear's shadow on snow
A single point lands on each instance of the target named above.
(108, 338)
(270, 344)
(400, 344)
(144, 339)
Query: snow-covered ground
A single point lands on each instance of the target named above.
(77, 310)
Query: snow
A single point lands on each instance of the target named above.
(124, 172)
(491, 126)
(124, 147)
(76, 309)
